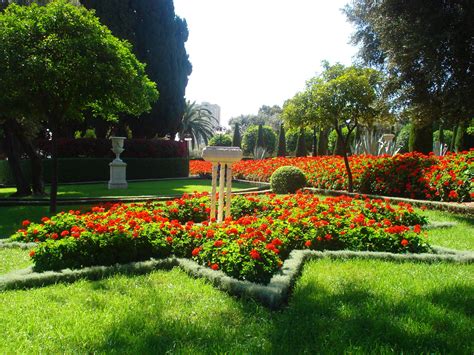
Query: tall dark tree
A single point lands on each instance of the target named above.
(427, 48)
(158, 38)
(301, 144)
(281, 142)
(237, 138)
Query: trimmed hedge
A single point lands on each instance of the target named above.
(101, 148)
(97, 169)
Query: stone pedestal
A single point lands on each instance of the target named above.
(221, 159)
(118, 168)
(118, 178)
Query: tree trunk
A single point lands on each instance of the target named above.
(459, 142)
(12, 151)
(323, 142)
(54, 170)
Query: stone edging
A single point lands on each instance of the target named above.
(273, 295)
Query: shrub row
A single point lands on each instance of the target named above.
(412, 175)
(251, 245)
(101, 148)
(97, 169)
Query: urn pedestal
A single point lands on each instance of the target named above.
(118, 168)
(221, 159)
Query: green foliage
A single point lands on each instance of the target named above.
(89, 133)
(249, 139)
(403, 138)
(424, 50)
(158, 36)
(287, 179)
(221, 140)
(333, 140)
(292, 138)
(260, 139)
(281, 142)
(237, 138)
(447, 134)
(301, 150)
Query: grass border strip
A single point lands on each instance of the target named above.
(6, 244)
(274, 295)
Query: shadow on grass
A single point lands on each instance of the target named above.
(317, 321)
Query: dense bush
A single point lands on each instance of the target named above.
(447, 178)
(249, 140)
(287, 179)
(101, 148)
(221, 140)
(251, 246)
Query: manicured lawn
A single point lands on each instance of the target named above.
(13, 259)
(337, 306)
(144, 188)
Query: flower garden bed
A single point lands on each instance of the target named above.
(252, 245)
(412, 175)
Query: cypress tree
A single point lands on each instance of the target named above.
(157, 36)
(281, 142)
(315, 142)
(237, 138)
(260, 140)
(301, 144)
(421, 138)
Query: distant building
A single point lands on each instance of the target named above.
(214, 109)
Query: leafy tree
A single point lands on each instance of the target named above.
(245, 121)
(281, 142)
(427, 51)
(197, 123)
(58, 61)
(249, 139)
(346, 97)
(237, 138)
(221, 140)
(292, 138)
(158, 37)
(267, 115)
(260, 140)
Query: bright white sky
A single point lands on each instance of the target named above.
(249, 53)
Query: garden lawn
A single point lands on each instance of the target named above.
(142, 188)
(337, 306)
(13, 259)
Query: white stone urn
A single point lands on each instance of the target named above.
(117, 147)
(118, 168)
(221, 157)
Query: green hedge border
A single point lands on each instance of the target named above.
(97, 169)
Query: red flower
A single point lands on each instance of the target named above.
(308, 243)
(215, 267)
(196, 251)
(218, 243)
(453, 195)
(404, 242)
(54, 236)
(417, 228)
(254, 254)
(26, 223)
(64, 233)
(32, 253)
(169, 239)
(210, 233)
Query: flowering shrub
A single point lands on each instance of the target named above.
(250, 245)
(413, 175)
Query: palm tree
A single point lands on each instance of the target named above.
(197, 123)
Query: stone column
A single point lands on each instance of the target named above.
(214, 187)
(229, 190)
(220, 212)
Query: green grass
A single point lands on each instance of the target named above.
(459, 237)
(355, 306)
(13, 259)
(148, 188)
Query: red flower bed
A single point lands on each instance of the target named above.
(413, 175)
(251, 245)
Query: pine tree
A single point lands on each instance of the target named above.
(281, 142)
(237, 138)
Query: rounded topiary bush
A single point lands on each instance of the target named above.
(287, 179)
